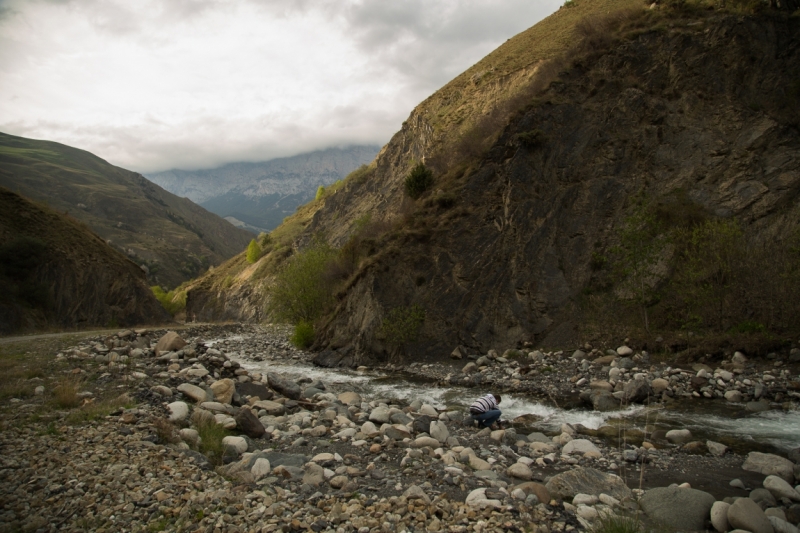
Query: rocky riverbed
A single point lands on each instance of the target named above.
(193, 441)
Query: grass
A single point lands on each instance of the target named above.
(65, 393)
(97, 410)
(611, 523)
(211, 435)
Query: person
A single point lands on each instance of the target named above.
(486, 411)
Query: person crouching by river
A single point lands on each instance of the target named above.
(486, 411)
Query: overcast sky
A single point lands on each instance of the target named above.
(154, 85)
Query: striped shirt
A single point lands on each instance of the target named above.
(481, 405)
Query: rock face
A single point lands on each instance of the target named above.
(681, 508)
(73, 278)
(566, 485)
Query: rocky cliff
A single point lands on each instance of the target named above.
(538, 155)
(56, 273)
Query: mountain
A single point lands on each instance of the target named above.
(258, 196)
(171, 237)
(614, 170)
(56, 273)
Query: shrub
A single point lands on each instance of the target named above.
(301, 292)
(211, 435)
(402, 325)
(320, 193)
(66, 391)
(611, 523)
(532, 138)
(253, 252)
(303, 336)
(173, 301)
(419, 180)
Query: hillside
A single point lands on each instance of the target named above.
(172, 237)
(595, 175)
(56, 273)
(261, 195)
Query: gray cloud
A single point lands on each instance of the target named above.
(154, 85)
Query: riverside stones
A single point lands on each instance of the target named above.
(249, 424)
(679, 436)
(745, 514)
(178, 411)
(283, 386)
(194, 392)
(223, 390)
(170, 342)
(769, 464)
(780, 488)
(439, 431)
(719, 516)
(682, 508)
(580, 446)
(566, 485)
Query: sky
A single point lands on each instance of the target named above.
(155, 85)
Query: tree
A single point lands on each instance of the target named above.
(253, 252)
(419, 180)
(301, 291)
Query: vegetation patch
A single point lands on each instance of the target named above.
(418, 181)
(402, 326)
(303, 336)
(173, 301)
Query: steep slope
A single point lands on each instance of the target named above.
(540, 153)
(263, 194)
(56, 273)
(174, 238)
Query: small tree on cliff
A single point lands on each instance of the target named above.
(253, 252)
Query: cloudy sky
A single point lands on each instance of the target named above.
(151, 85)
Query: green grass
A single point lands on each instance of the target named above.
(611, 523)
(211, 435)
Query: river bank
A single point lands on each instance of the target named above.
(309, 453)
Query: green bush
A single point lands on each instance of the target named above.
(320, 193)
(301, 291)
(532, 138)
(303, 336)
(419, 180)
(253, 252)
(173, 301)
(402, 326)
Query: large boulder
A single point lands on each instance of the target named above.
(580, 446)
(638, 391)
(283, 386)
(770, 465)
(566, 485)
(170, 342)
(255, 390)
(603, 400)
(745, 514)
(249, 424)
(223, 390)
(327, 359)
(194, 392)
(780, 488)
(682, 509)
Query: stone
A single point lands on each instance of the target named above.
(178, 411)
(380, 415)
(579, 355)
(584, 499)
(477, 498)
(422, 424)
(239, 444)
(624, 351)
(254, 390)
(428, 410)
(637, 391)
(201, 417)
(350, 398)
(715, 448)
(733, 396)
(397, 432)
(261, 468)
(337, 482)
(458, 352)
(763, 498)
(439, 431)
(683, 509)
(470, 368)
(369, 429)
(769, 464)
(476, 463)
(223, 390)
(416, 493)
(314, 474)
(249, 424)
(170, 342)
(161, 390)
(719, 516)
(580, 446)
(189, 436)
(739, 358)
(520, 471)
(194, 392)
(659, 385)
(328, 359)
(283, 386)
(272, 408)
(603, 400)
(745, 514)
(422, 442)
(679, 436)
(757, 407)
(536, 489)
(781, 526)
(780, 488)
(581, 480)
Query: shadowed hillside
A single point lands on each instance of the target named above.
(172, 237)
(56, 273)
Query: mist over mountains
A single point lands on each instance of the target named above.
(258, 196)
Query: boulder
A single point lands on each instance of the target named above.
(679, 436)
(603, 400)
(476, 463)
(624, 351)
(566, 485)
(659, 385)
(715, 448)
(178, 411)
(477, 498)
(683, 509)
(769, 464)
(781, 526)
(439, 431)
(422, 424)
(380, 415)
(719, 516)
(223, 390)
(249, 424)
(780, 488)
(580, 446)
(313, 474)
(350, 398)
(194, 392)
(254, 390)
(283, 386)
(520, 471)
(459, 352)
(170, 342)
(637, 391)
(261, 468)
(328, 359)
(239, 444)
(745, 514)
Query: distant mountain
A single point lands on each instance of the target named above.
(171, 237)
(258, 196)
(55, 272)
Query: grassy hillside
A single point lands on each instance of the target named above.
(174, 238)
(56, 273)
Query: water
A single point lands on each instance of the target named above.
(719, 421)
